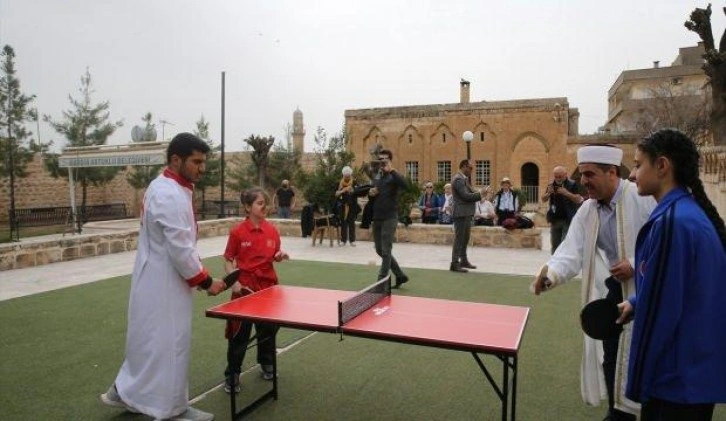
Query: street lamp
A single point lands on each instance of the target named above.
(468, 137)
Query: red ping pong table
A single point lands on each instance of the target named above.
(463, 326)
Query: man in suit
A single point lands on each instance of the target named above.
(464, 198)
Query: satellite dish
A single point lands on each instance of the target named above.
(151, 135)
(137, 134)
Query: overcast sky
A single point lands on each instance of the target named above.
(166, 56)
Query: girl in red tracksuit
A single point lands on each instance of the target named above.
(253, 245)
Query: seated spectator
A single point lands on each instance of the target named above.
(445, 216)
(506, 202)
(484, 211)
(430, 204)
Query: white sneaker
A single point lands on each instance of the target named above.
(352, 244)
(228, 387)
(112, 398)
(341, 244)
(267, 372)
(193, 414)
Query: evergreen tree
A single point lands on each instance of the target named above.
(14, 113)
(85, 124)
(331, 156)
(141, 176)
(284, 164)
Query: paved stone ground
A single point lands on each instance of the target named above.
(22, 282)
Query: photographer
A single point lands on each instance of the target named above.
(387, 186)
(564, 200)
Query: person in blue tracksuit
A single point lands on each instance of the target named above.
(677, 367)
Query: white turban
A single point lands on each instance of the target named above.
(347, 170)
(599, 154)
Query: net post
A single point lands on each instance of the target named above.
(340, 320)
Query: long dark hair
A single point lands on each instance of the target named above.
(683, 154)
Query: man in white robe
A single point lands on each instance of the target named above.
(601, 243)
(153, 379)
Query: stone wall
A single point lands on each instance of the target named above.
(43, 251)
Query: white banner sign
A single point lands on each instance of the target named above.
(120, 160)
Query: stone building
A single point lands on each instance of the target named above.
(520, 139)
(676, 95)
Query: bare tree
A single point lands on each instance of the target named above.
(715, 68)
(686, 108)
(260, 150)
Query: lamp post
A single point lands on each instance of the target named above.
(468, 137)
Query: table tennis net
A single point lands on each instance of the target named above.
(363, 300)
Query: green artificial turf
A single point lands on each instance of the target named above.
(61, 349)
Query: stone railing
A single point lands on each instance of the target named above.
(713, 175)
(36, 252)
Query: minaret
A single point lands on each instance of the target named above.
(298, 131)
(464, 91)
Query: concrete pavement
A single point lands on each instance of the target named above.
(22, 282)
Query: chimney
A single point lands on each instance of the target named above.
(464, 91)
(656, 64)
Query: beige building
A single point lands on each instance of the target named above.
(676, 95)
(520, 139)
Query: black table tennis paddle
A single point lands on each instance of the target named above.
(231, 278)
(598, 319)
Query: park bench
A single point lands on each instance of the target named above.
(213, 208)
(61, 215)
(105, 212)
(37, 217)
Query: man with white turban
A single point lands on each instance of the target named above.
(601, 243)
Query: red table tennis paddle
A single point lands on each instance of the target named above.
(598, 319)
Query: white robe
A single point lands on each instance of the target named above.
(579, 252)
(154, 374)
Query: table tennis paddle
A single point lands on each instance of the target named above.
(231, 278)
(598, 319)
(546, 282)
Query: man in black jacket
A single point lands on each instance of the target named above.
(564, 200)
(384, 194)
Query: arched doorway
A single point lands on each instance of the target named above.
(530, 182)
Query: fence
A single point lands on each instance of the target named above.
(531, 194)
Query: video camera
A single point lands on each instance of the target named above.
(375, 165)
(555, 186)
